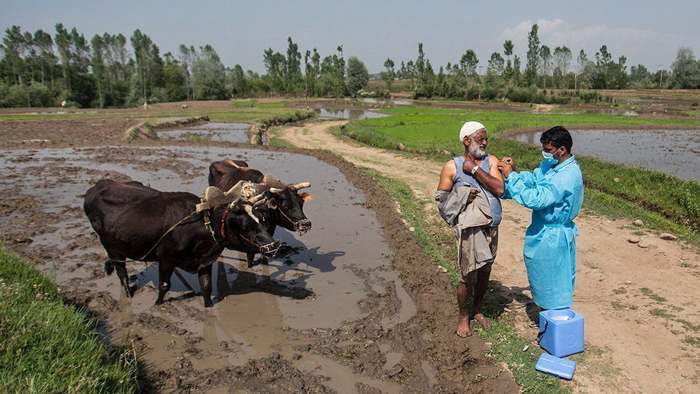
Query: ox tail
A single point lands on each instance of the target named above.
(109, 267)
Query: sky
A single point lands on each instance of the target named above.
(646, 32)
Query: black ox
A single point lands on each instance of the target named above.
(133, 220)
(284, 207)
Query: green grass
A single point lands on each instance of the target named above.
(276, 141)
(422, 128)
(13, 117)
(48, 347)
(507, 345)
(668, 203)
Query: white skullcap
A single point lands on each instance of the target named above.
(469, 129)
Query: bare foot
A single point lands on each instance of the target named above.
(463, 329)
(482, 320)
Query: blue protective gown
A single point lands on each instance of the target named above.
(555, 195)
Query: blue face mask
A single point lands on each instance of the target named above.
(549, 157)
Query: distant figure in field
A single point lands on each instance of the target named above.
(468, 199)
(184, 106)
(554, 192)
(63, 104)
(145, 105)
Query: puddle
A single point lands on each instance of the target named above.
(228, 132)
(613, 111)
(254, 309)
(671, 151)
(345, 113)
(383, 101)
(342, 380)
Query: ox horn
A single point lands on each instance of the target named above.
(300, 186)
(253, 200)
(275, 190)
(231, 162)
(249, 210)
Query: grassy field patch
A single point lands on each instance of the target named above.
(48, 347)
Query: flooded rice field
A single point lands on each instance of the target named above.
(346, 113)
(227, 132)
(390, 102)
(333, 316)
(672, 151)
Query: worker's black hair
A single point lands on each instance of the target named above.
(557, 136)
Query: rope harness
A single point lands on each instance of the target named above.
(166, 233)
(296, 224)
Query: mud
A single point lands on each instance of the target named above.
(228, 132)
(355, 308)
(58, 133)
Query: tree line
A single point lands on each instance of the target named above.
(39, 69)
(544, 69)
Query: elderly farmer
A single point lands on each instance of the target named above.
(468, 200)
(554, 192)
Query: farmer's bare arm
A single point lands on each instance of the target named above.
(447, 175)
(492, 180)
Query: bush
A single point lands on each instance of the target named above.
(520, 95)
(473, 92)
(589, 96)
(490, 93)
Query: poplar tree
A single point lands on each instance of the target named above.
(533, 56)
(389, 74)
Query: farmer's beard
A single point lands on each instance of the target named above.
(476, 150)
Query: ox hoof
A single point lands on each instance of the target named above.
(128, 292)
(208, 304)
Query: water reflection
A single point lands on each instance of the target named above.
(229, 132)
(345, 113)
(671, 151)
(385, 101)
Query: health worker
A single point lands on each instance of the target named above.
(554, 192)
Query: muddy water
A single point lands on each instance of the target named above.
(671, 151)
(383, 101)
(345, 113)
(258, 312)
(229, 132)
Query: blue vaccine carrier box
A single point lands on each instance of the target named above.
(561, 332)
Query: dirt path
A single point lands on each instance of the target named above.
(639, 299)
